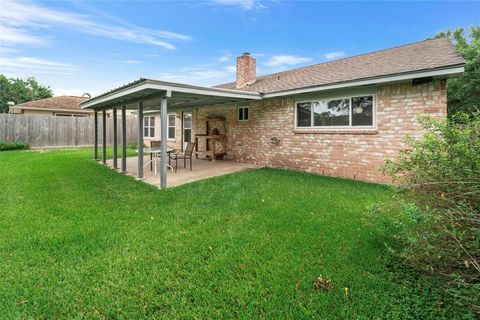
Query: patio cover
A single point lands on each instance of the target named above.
(148, 94)
(151, 93)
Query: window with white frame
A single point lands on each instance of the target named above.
(149, 127)
(350, 112)
(70, 115)
(171, 126)
(243, 113)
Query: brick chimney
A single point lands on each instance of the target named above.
(246, 70)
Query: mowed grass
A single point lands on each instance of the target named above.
(78, 240)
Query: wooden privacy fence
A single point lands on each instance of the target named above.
(49, 131)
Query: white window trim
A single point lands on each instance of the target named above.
(149, 126)
(174, 126)
(238, 113)
(349, 127)
(61, 114)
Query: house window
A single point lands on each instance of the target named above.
(362, 111)
(336, 113)
(242, 113)
(171, 126)
(149, 127)
(70, 115)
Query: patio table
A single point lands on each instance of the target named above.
(156, 153)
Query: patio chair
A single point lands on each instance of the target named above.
(187, 154)
(153, 144)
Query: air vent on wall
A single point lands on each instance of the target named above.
(417, 81)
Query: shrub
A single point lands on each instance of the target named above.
(132, 146)
(12, 145)
(439, 184)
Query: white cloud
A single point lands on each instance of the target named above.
(201, 75)
(245, 4)
(225, 58)
(7, 50)
(26, 66)
(132, 61)
(16, 17)
(9, 35)
(231, 69)
(334, 55)
(286, 60)
(36, 63)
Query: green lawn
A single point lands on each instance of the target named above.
(78, 240)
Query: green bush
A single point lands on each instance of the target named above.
(439, 184)
(132, 146)
(12, 145)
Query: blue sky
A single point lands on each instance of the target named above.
(93, 46)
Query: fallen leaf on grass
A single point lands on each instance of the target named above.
(328, 285)
(318, 284)
(297, 285)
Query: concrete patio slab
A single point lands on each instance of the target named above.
(202, 169)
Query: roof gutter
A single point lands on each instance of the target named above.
(444, 73)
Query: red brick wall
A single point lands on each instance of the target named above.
(349, 154)
(172, 143)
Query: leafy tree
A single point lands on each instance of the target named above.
(20, 91)
(464, 92)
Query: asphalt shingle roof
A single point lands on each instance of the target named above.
(60, 102)
(418, 56)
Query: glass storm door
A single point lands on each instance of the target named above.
(187, 128)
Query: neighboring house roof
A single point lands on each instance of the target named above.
(419, 56)
(60, 103)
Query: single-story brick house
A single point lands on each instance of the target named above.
(60, 106)
(340, 118)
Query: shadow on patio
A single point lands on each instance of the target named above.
(202, 169)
